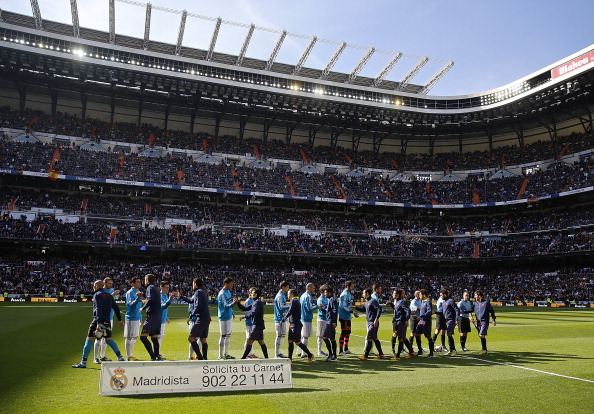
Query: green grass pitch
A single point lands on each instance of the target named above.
(40, 341)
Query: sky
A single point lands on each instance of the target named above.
(492, 43)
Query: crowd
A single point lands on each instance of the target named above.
(146, 134)
(73, 276)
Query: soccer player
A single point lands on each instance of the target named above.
(280, 307)
(373, 310)
(100, 344)
(133, 317)
(103, 303)
(465, 307)
(165, 302)
(255, 313)
(295, 326)
(225, 314)
(152, 323)
(451, 313)
(248, 323)
(424, 325)
(308, 305)
(377, 291)
(331, 319)
(345, 314)
(482, 310)
(415, 312)
(199, 319)
(440, 324)
(321, 326)
(399, 324)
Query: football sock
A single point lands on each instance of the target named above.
(484, 343)
(103, 347)
(87, 349)
(160, 337)
(408, 346)
(452, 343)
(463, 341)
(291, 348)
(418, 339)
(305, 349)
(221, 347)
(196, 349)
(114, 347)
(346, 340)
(190, 351)
(341, 341)
(97, 348)
(328, 346)
(434, 337)
(320, 342)
(156, 348)
(227, 343)
(378, 345)
(333, 342)
(431, 345)
(368, 348)
(204, 350)
(148, 346)
(443, 340)
(278, 344)
(393, 344)
(128, 346)
(400, 346)
(264, 350)
(246, 352)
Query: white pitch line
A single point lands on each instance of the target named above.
(511, 365)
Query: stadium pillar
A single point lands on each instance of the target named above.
(54, 97)
(334, 134)
(290, 127)
(266, 129)
(218, 119)
(22, 89)
(313, 130)
(167, 110)
(242, 123)
(83, 102)
(519, 133)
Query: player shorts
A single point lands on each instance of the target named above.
(483, 328)
(256, 333)
(423, 328)
(413, 322)
(345, 324)
(226, 327)
(372, 331)
(281, 328)
(450, 326)
(464, 325)
(321, 328)
(93, 328)
(440, 322)
(152, 325)
(307, 329)
(295, 332)
(399, 329)
(248, 329)
(200, 329)
(330, 331)
(131, 329)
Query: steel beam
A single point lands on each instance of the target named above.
(389, 66)
(180, 34)
(440, 74)
(37, 15)
(333, 60)
(412, 73)
(275, 51)
(147, 26)
(361, 64)
(246, 43)
(213, 40)
(75, 23)
(112, 21)
(305, 55)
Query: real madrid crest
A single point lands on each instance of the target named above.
(118, 380)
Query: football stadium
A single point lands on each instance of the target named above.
(183, 228)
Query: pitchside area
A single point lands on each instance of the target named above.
(540, 360)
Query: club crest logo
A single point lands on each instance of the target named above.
(118, 380)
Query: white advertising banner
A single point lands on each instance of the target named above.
(146, 377)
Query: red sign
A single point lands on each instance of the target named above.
(578, 62)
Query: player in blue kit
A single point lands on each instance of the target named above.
(280, 308)
(440, 324)
(225, 303)
(152, 323)
(103, 303)
(451, 313)
(345, 314)
(482, 310)
(373, 311)
(165, 302)
(308, 305)
(321, 325)
(100, 344)
(248, 323)
(465, 307)
(133, 317)
(399, 324)
(331, 319)
(295, 326)
(255, 313)
(424, 325)
(199, 319)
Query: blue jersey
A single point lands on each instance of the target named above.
(439, 305)
(482, 310)
(280, 306)
(450, 310)
(103, 305)
(152, 306)
(294, 312)
(248, 303)
(225, 305)
(372, 309)
(307, 307)
(322, 303)
(165, 302)
(376, 297)
(401, 311)
(199, 306)
(133, 305)
(415, 308)
(426, 311)
(332, 310)
(465, 307)
(254, 313)
(345, 301)
(110, 291)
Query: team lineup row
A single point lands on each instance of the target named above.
(293, 320)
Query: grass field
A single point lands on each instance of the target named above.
(40, 341)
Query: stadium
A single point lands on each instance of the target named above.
(123, 156)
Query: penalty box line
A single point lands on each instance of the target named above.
(509, 365)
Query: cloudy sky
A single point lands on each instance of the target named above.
(491, 42)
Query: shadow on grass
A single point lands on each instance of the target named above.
(229, 393)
